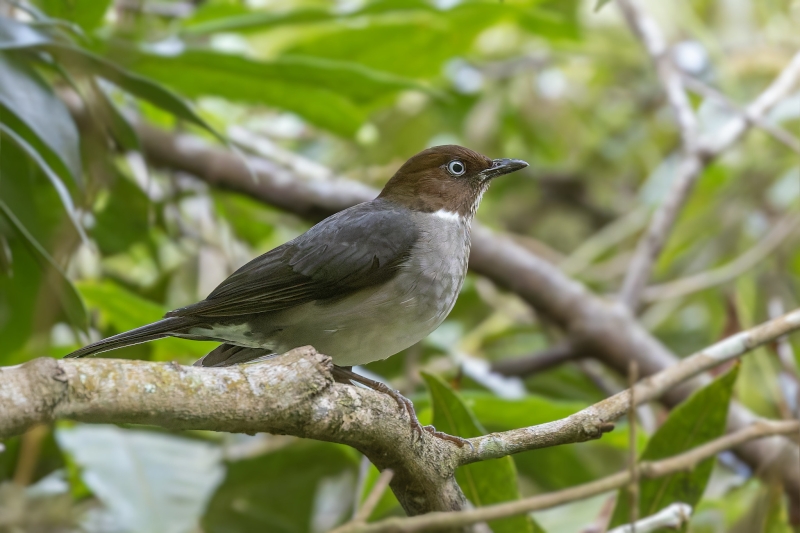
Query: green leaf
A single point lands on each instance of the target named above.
(87, 14)
(335, 95)
(58, 185)
(274, 492)
(148, 481)
(137, 85)
(417, 39)
(44, 118)
(15, 35)
(119, 127)
(123, 310)
(557, 467)
(599, 4)
(213, 18)
(486, 482)
(68, 297)
(699, 419)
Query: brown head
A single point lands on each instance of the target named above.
(450, 178)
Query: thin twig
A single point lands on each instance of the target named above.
(633, 486)
(730, 271)
(696, 153)
(592, 422)
(672, 517)
(608, 236)
(790, 382)
(528, 365)
(779, 134)
(648, 32)
(374, 497)
(679, 463)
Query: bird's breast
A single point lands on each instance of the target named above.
(381, 320)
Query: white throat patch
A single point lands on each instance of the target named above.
(448, 215)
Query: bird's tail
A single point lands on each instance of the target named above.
(156, 330)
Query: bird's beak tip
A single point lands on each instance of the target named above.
(504, 166)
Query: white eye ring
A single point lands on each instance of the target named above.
(456, 167)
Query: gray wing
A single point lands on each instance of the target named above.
(355, 248)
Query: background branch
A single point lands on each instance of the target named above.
(729, 271)
(648, 32)
(697, 155)
(592, 422)
(527, 365)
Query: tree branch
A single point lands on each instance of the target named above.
(648, 32)
(778, 133)
(293, 394)
(671, 517)
(717, 276)
(685, 461)
(592, 422)
(527, 365)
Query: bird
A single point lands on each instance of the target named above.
(359, 286)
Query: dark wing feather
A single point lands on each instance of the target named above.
(350, 250)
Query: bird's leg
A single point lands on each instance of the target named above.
(346, 375)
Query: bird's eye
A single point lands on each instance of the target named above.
(456, 167)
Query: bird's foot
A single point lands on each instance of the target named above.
(345, 375)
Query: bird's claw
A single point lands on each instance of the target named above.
(345, 375)
(458, 441)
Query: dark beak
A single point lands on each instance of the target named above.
(503, 166)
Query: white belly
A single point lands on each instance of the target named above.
(379, 321)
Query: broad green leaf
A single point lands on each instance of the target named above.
(119, 307)
(417, 42)
(125, 201)
(335, 95)
(522, 412)
(20, 285)
(549, 17)
(557, 467)
(88, 14)
(18, 290)
(486, 482)
(26, 96)
(699, 419)
(15, 35)
(58, 185)
(136, 85)
(147, 481)
(60, 285)
(123, 310)
(119, 127)
(599, 4)
(275, 492)
(213, 18)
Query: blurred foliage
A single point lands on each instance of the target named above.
(94, 241)
(701, 418)
(486, 482)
